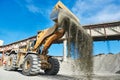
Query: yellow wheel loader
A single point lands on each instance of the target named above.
(34, 56)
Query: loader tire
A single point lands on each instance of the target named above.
(30, 65)
(54, 67)
(11, 62)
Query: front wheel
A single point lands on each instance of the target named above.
(54, 67)
(30, 65)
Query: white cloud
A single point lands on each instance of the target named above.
(96, 11)
(110, 13)
(31, 6)
(34, 9)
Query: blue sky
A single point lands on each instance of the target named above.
(20, 19)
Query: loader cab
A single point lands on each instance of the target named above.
(31, 45)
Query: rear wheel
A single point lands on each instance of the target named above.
(11, 62)
(54, 67)
(30, 65)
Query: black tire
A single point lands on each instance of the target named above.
(54, 67)
(31, 65)
(11, 63)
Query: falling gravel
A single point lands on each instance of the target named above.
(79, 43)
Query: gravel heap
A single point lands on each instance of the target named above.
(109, 63)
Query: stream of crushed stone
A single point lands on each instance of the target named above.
(79, 43)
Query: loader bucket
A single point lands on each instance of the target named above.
(56, 11)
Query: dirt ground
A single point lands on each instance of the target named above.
(106, 67)
(17, 75)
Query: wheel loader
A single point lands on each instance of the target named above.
(34, 56)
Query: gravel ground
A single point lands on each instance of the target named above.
(106, 67)
(17, 75)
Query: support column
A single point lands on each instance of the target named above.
(3, 57)
(65, 49)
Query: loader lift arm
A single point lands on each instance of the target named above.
(48, 36)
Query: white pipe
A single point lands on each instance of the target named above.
(65, 49)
